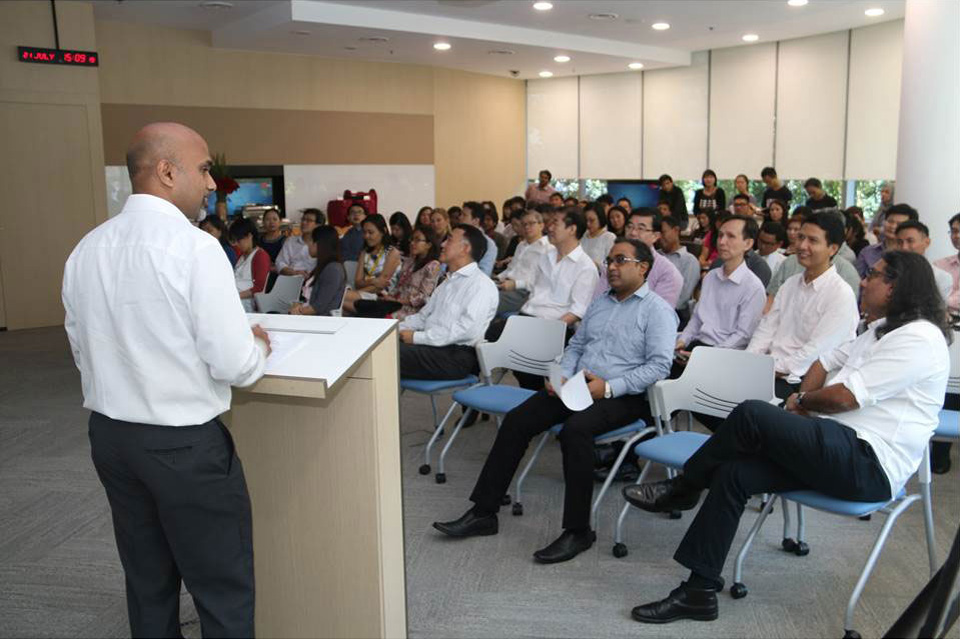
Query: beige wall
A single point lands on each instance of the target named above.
(52, 159)
(478, 121)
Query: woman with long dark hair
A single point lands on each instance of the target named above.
(379, 262)
(401, 230)
(415, 284)
(711, 197)
(856, 233)
(272, 238)
(253, 263)
(617, 220)
(328, 281)
(424, 216)
(215, 227)
(914, 294)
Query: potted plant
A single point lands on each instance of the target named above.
(225, 184)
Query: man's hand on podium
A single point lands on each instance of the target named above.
(259, 333)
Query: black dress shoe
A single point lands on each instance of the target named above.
(683, 603)
(471, 420)
(470, 525)
(662, 496)
(565, 547)
(627, 472)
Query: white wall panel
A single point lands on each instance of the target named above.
(552, 127)
(811, 107)
(675, 120)
(876, 55)
(742, 109)
(610, 107)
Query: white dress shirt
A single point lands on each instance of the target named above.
(459, 310)
(295, 254)
(774, 260)
(598, 248)
(523, 267)
(899, 382)
(562, 286)
(154, 320)
(806, 320)
(944, 282)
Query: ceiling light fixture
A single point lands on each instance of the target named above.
(604, 17)
(501, 52)
(750, 37)
(546, 74)
(216, 4)
(441, 46)
(374, 39)
(542, 6)
(562, 58)
(300, 33)
(635, 65)
(660, 26)
(873, 13)
(797, 3)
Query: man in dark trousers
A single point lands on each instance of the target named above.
(158, 333)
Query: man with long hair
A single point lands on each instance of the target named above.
(856, 430)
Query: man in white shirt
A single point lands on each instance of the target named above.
(914, 236)
(439, 342)
(159, 335)
(294, 257)
(814, 311)
(857, 431)
(516, 281)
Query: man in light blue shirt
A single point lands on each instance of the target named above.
(624, 344)
(473, 214)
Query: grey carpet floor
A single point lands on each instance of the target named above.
(60, 575)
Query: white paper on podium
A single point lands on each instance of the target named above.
(574, 392)
(282, 345)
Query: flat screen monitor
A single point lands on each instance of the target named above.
(253, 190)
(641, 193)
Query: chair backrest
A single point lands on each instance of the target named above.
(351, 268)
(714, 382)
(527, 344)
(285, 291)
(953, 383)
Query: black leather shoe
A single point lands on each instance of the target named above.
(627, 472)
(470, 525)
(471, 420)
(662, 496)
(565, 547)
(683, 603)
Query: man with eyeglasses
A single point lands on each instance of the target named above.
(624, 344)
(517, 279)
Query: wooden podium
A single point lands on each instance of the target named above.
(319, 439)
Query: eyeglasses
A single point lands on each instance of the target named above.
(415, 240)
(619, 260)
(873, 272)
(639, 227)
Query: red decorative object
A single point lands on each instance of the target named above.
(225, 186)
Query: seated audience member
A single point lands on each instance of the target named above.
(708, 250)
(253, 264)
(272, 239)
(791, 266)
(672, 195)
(379, 262)
(473, 215)
(294, 258)
(506, 225)
(813, 312)
(517, 280)
(856, 237)
(664, 278)
(625, 204)
(817, 198)
(775, 188)
(617, 220)
(352, 241)
(623, 346)
(951, 264)
(605, 200)
(413, 286)
(215, 227)
(556, 200)
(894, 217)
(516, 238)
(913, 236)
(597, 241)
(401, 231)
(490, 222)
(732, 297)
(440, 223)
(571, 201)
(540, 192)
(770, 244)
(755, 263)
(856, 430)
(710, 198)
(776, 211)
(439, 341)
(424, 217)
(677, 254)
(886, 201)
(741, 206)
(793, 230)
(742, 185)
(328, 280)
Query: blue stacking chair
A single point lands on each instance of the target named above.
(702, 388)
(433, 388)
(528, 345)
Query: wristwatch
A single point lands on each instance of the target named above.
(800, 398)
(607, 391)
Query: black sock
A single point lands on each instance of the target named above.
(699, 582)
(482, 512)
(579, 531)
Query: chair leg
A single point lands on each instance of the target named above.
(433, 407)
(441, 474)
(928, 525)
(872, 559)
(518, 490)
(619, 549)
(437, 434)
(613, 473)
(738, 590)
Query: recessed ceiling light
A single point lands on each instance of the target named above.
(873, 13)
(441, 46)
(750, 37)
(543, 6)
(660, 26)
(635, 65)
(546, 74)
(374, 39)
(216, 4)
(797, 3)
(562, 58)
(501, 52)
(349, 48)
(604, 16)
(300, 33)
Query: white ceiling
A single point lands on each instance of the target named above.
(475, 28)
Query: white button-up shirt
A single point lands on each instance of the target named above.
(296, 254)
(562, 286)
(459, 310)
(899, 382)
(523, 267)
(806, 320)
(154, 320)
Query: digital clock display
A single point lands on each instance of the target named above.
(58, 56)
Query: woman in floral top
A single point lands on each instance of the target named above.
(418, 277)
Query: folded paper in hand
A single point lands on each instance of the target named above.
(574, 392)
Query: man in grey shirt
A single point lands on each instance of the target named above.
(687, 264)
